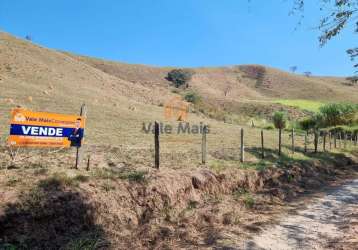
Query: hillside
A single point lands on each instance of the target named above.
(43, 79)
(212, 82)
(118, 200)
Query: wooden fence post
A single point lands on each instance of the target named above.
(335, 139)
(324, 141)
(262, 144)
(330, 140)
(203, 146)
(315, 141)
(279, 141)
(293, 140)
(242, 150)
(306, 135)
(345, 140)
(339, 139)
(88, 162)
(356, 139)
(83, 113)
(156, 145)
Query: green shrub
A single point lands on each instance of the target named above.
(106, 186)
(279, 119)
(249, 201)
(307, 123)
(334, 114)
(90, 242)
(192, 97)
(269, 127)
(7, 246)
(12, 182)
(135, 176)
(180, 77)
(192, 205)
(238, 193)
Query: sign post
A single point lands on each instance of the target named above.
(83, 113)
(156, 145)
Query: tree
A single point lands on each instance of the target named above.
(353, 53)
(180, 77)
(279, 120)
(307, 123)
(293, 69)
(28, 37)
(307, 73)
(336, 16)
(352, 79)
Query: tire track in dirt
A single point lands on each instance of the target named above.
(329, 222)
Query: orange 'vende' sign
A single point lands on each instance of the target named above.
(40, 129)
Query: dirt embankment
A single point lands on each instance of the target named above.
(166, 209)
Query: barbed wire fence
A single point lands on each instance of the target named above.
(137, 148)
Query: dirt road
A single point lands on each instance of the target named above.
(329, 222)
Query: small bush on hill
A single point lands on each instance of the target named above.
(134, 176)
(269, 127)
(249, 201)
(180, 77)
(279, 119)
(338, 114)
(192, 97)
(307, 123)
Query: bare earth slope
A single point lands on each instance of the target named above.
(213, 82)
(41, 79)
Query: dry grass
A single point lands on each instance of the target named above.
(120, 98)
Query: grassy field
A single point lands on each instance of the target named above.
(312, 106)
(120, 97)
(121, 174)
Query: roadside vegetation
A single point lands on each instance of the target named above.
(335, 118)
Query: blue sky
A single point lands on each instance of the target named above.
(182, 33)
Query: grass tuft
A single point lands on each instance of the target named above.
(135, 176)
(131, 175)
(56, 181)
(248, 200)
(81, 178)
